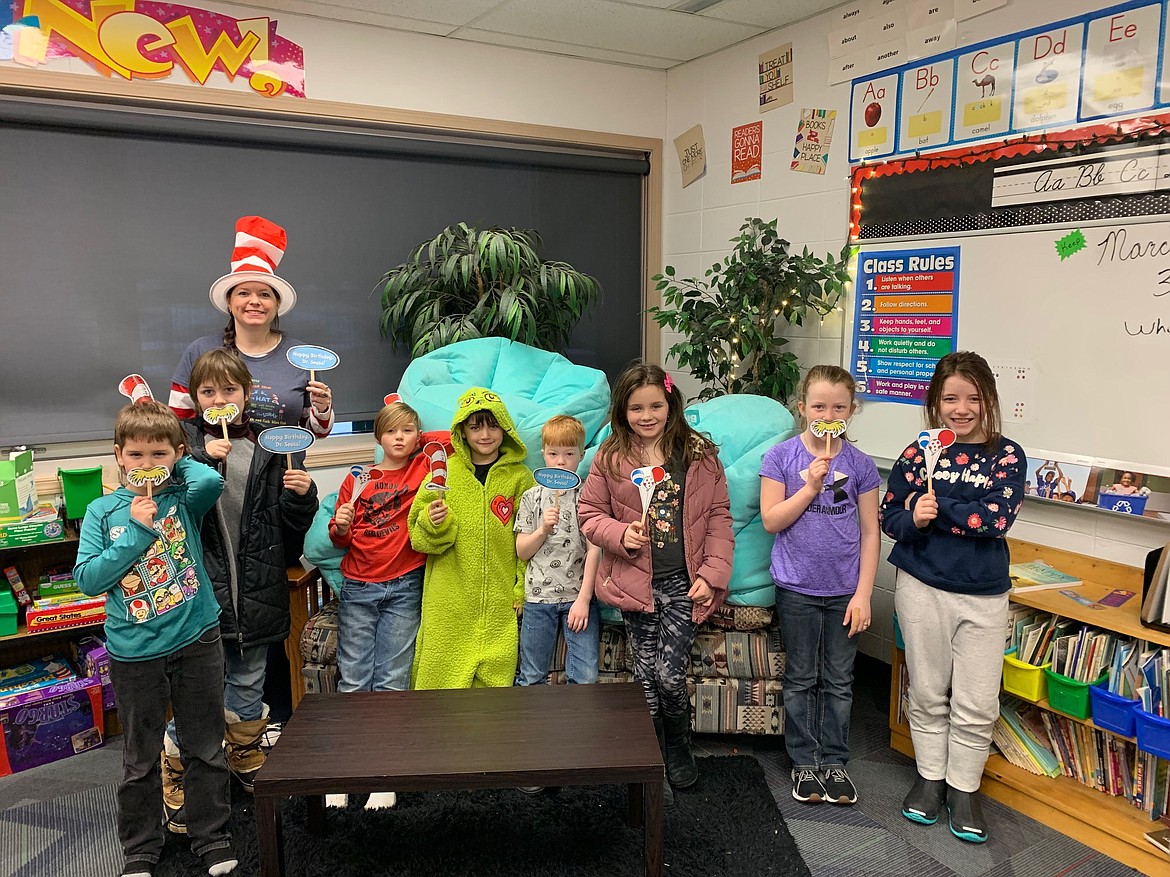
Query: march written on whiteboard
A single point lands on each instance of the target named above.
(1076, 321)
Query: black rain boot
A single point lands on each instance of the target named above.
(680, 763)
(924, 801)
(966, 816)
(667, 791)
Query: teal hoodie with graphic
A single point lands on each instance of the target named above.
(468, 633)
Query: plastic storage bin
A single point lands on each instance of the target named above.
(1070, 696)
(1024, 680)
(80, 487)
(1112, 711)
(1153, 733)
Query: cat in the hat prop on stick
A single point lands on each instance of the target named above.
(436, 456)
(932, 442)
(135, 388)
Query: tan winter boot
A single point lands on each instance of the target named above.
(174, 816)
(244, 755)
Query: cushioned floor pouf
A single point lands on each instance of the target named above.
(737, 706)
(738, 654)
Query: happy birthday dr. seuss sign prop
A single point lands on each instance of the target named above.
(135, 39)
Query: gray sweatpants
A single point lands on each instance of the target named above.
(953, 641)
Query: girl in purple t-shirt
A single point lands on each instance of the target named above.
(819, 496)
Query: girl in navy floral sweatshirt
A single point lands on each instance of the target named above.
(952, 587)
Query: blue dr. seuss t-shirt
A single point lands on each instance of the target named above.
(820, 553)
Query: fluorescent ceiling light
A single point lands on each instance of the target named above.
(693, 6)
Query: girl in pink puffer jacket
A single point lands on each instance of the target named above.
(669, 569)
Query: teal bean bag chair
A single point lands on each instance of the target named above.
(319, 548)
(744, 427)
(534, 385)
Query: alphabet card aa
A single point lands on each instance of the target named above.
(872, 117)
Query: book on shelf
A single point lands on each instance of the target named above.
(1037, 575)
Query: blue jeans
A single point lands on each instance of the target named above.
(191, 680)
(538, 638)
(818, 678)
(376, 628)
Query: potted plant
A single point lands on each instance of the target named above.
(732, 321)
(470, 282)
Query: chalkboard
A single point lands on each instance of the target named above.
(1081, 345)
(118, 221)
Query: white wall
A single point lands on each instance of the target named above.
(720, 92)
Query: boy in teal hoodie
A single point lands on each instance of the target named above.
(474, 581)
(140, 547)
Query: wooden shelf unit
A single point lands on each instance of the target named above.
(1107, 824)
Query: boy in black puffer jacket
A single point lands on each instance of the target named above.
(263, 504)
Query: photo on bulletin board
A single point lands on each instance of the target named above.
(1057, 478)
(1129, 491)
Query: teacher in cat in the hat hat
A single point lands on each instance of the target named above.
(254, 298)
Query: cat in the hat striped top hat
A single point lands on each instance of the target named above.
(259, 247)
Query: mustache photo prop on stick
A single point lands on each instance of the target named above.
(222, 415)
(828, 430)
(436, 456)
(151, 477)
(932, 442)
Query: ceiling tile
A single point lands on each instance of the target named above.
(767, 13)
(349, 13)
(557, 48)
(635, 30)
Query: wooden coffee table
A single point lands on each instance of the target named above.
(481, 738)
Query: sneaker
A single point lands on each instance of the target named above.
(806, 786)
(839, 789)
(271, 734)
(336, 800)
(219, 861)
(174, 819)
(138, 868)
(531, 790)
(381, 800)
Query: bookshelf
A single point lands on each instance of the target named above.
(1107, 824)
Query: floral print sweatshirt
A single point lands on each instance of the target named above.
(979, 494)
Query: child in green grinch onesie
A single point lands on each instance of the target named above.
(474, 580)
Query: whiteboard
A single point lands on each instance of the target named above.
(1081, 346)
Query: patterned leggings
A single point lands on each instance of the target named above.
(660, 642)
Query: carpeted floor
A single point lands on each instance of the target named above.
(727, 824)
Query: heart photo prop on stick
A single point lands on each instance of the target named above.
(828, 430)
(135, 388)
(436, 456)
(646, 479)
(151, 477)
(222, 415)
(932, 442)
(361, 477)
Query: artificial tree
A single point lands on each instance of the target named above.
(470, 282)
(732, 322)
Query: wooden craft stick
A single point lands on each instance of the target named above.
(149, 489)
(312, 374)
(288, 460)
(223, 423)
(557, 499)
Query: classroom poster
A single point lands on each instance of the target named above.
(927, 92)
(692, 154)
(983, 91)
(135, 39)
(1048, 78)
(873, 115)
(747, 152)
(906, 318)
(776, 78)
(1121, 62)
(814, 134)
